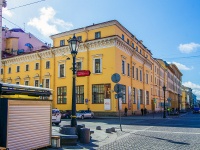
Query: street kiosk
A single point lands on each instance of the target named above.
(25, 117)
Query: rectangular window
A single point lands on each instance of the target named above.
(140, 51)
(27, 67)
(123, 94)
(18, 68)
(37, 83)
(26, 83)
(123, 67)
(147, 79)
(62, 42)
(80, 94)
(140, 75)
(36, 66)
(47, 64)
(128, 41)
(100, 92)
(128, 69)
(134, 96)
(78, 65)
(97, 35)
(97, 65)
(47, 83)
(1, 70)
(141, 97)
(17, 82)
(147, 97)
(122, 37)
(136, 48)
(62, 95)
(61, 70)
(79, 38)
(9, 70)
(136, 73)
(133, 71)
(133, 45)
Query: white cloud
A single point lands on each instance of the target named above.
(188, 48)
(7, 12)
(195, 88)
(181, 66)
(47, 24)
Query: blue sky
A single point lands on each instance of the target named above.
(169, 28)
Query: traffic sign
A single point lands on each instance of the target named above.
(115, 78)
(82, 73)
(118, 88)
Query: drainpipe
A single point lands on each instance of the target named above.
(54, 77)
(88, 60)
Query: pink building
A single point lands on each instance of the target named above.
(16, 41)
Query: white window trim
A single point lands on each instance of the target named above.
(46, 64)
(38, 83)
(59, 70)
(45, 82)
(16, 68)
(38, 66)
(100, 65)
(25, 82)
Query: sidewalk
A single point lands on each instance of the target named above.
(147, 116)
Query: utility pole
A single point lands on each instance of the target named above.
(2, 4)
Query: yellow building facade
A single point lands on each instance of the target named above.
(105, 49)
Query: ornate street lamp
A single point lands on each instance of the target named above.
(73, 45)
(164, 113)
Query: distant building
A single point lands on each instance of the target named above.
(15, 42)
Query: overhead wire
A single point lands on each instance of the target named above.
(22, 28)
(26, 5)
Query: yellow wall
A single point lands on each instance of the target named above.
(111, 63)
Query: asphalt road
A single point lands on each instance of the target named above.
(143, 133)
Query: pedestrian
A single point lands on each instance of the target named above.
(142, 111)
(145, 111)
(125, 111)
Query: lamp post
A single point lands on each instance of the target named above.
(164, 113)
(73, 45)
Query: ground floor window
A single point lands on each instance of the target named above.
(80, 94)
(147, 97)
(133, 96)
(123, 91)
(100, 92)
(141, 97)
(62, 95)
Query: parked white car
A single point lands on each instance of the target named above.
(56, 116)
(84, 114)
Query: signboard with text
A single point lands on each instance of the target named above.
(107, 105)
(82, 73)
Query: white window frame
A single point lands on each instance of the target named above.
(38, 83)
(9, 70)
(100, 65)
(46, 64)
(59, 70)
(17, 70)
(25, 82)
(44, 82)
(38, 66)
(81, 64)
(28, 67)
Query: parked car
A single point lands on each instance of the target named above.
(66, 114)
(56, 116)
(196, 110)
(84, 114)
